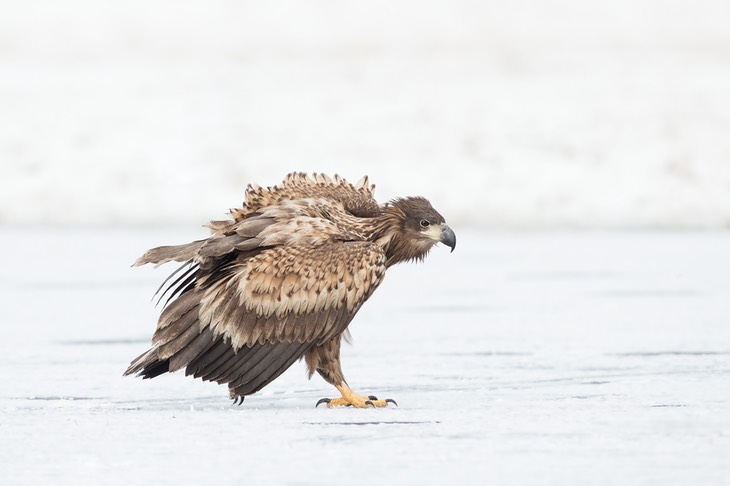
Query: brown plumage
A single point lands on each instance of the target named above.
(282, 280)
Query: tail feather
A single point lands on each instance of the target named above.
(156, 369)
(164, 254)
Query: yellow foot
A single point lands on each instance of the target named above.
(355, 400)
(352, 399)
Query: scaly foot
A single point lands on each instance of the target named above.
(352, 399)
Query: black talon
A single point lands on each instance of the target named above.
(370, 403)
(391, 401)
(372, 397)
(238, 400)
(321, 401)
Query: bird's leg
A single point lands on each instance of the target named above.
(325, 360)
(351, 399)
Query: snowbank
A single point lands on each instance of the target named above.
(506, 114)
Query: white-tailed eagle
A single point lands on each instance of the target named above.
(282, 280)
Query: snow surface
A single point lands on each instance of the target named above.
(519, 359)
(518, 114)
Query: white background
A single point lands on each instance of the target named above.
(523, 114)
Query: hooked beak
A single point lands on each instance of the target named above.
(448, 237)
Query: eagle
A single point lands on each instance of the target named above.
(282, 279)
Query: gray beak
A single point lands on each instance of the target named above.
(448, 237)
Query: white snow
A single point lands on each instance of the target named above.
(590, 358)
(514, 114)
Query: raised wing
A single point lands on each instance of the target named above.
(298, 222)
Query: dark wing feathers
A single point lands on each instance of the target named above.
(199, 364)
(182, 340)
(210, 363)
(189, 265)
(179, 286)
(231, 361)
(173, 312)
(198, 346)
(274, 363)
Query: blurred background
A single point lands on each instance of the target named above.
(509, 115)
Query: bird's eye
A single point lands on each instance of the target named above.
(425, 223)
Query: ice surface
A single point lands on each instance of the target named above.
(519, 114)
(518, 359)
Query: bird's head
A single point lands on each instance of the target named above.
(420, 227)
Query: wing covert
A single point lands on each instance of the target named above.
(292, 293)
